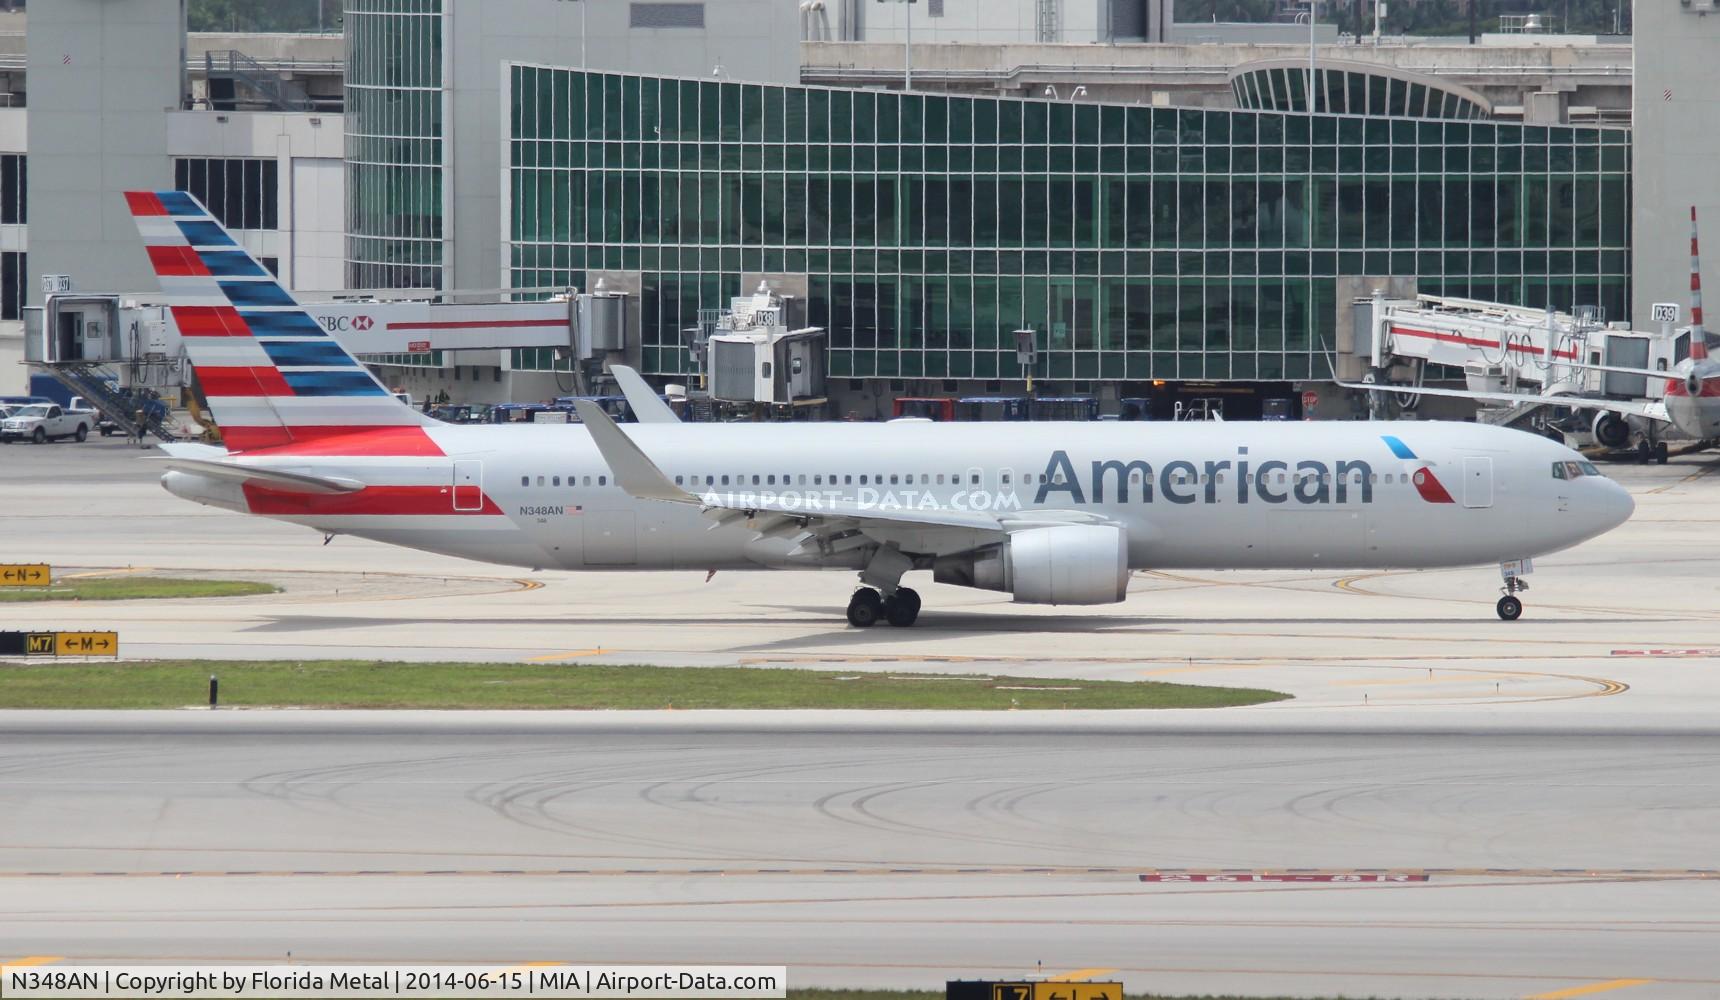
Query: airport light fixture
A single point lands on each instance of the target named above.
(907, 46)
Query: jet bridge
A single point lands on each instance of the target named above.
(1510, 349)
(92, 340)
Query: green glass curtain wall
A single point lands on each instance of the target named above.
(1140, 242)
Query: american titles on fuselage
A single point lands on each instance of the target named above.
(1185, 482)
(1307, 481)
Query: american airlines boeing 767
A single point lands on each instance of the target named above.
(1053, 513)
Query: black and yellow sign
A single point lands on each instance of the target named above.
(1031, 990)
(59, 643)
(25, 575)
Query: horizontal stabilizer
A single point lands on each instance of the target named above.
(290, 481)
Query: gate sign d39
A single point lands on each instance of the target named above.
(1664, 312)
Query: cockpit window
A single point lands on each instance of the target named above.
(1574, 470)
(1559, 471)
(1589, 468)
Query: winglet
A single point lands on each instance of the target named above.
(634, 470)
(648, 407)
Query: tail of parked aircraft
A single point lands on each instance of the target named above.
(273, 378)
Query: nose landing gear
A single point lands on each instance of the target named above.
(1510, 607)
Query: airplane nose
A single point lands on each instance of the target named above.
(1616, 505)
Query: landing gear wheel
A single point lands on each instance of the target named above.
(1644, 451)
(865, 608)
(902, 608)
(1660, 452)
(1510, 608)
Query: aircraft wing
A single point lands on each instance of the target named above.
(821, 525)
(1649, 408)
(640, 477)
(647, 406)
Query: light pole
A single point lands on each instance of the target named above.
(1313, 15)
(907, 46)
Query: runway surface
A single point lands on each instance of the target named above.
(890, 855)
(1555, 781)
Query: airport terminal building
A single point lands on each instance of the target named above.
(1140, 243)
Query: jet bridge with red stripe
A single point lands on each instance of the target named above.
(1504, 348)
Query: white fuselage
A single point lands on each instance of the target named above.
(1190, 495)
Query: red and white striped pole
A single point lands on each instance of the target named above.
(1698, 338)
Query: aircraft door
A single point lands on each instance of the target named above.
(1477, 482)
(468, 485)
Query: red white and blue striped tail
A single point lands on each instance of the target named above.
(272, 377)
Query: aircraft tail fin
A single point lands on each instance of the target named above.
(272, 376)
(1698, 336)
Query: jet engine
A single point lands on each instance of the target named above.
(1611, 430)
(1062, 564)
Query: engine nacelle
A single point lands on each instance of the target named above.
(1611, 430)
(1062, 564)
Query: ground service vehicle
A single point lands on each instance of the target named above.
(42, 422)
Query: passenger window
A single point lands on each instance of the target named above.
(940, 479)
(540, 480)
(588, 480)
(602, 480)
(725, 480)
(710, 480)
(975, 480)
(677, 480)
(849, 480)
(893, 481)
(862, 480)
(1004, 479)
(817, 480)
(525, 480)
(556, 481)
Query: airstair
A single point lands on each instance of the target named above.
(99, 386)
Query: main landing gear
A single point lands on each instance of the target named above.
(867, 607)
(1510, 607)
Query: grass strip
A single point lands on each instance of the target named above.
(132, 588)
(373, 684)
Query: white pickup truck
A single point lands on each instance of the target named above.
(46, 422)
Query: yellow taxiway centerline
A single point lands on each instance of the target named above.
(575, 654)
(1583, 991)
(1079, 975)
